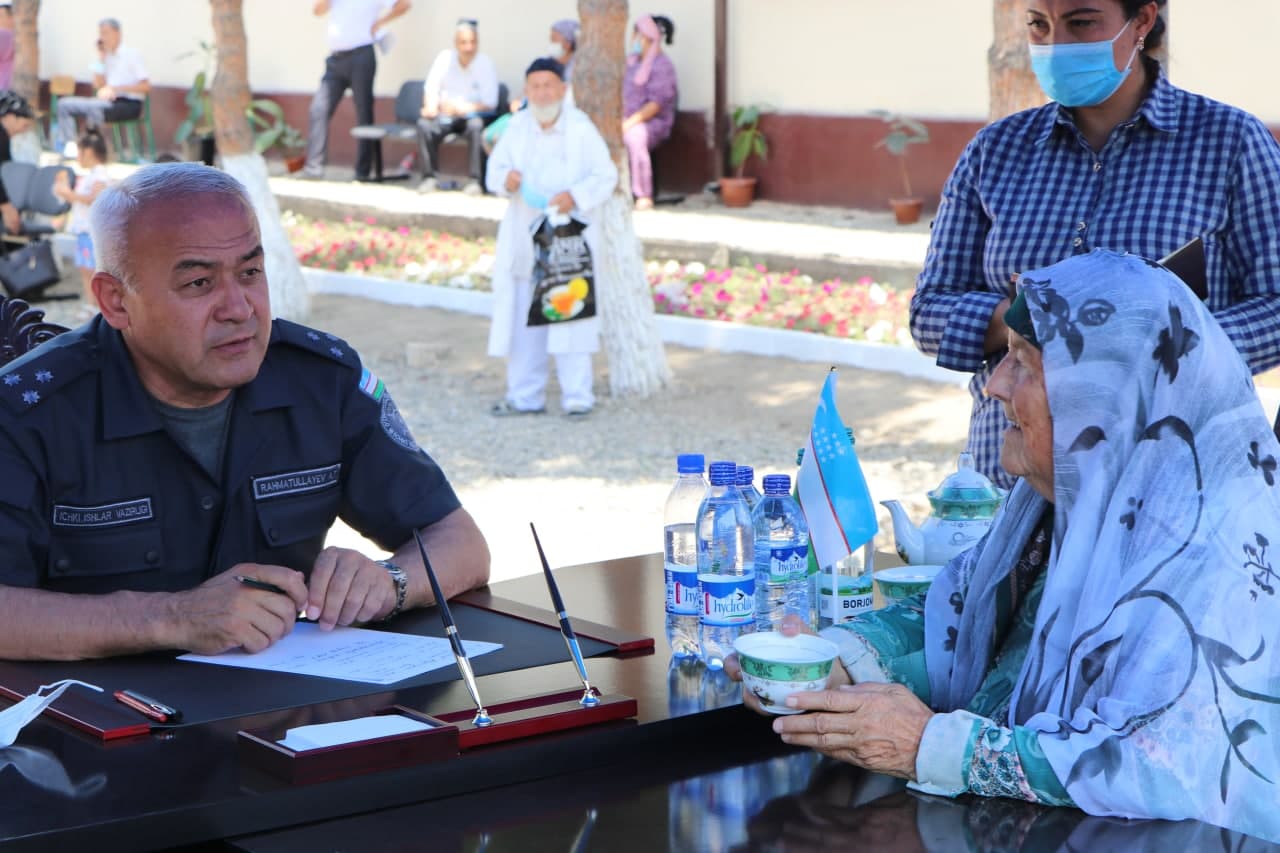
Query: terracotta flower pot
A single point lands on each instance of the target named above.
(906, 210)
(295, 163)
(737, 192)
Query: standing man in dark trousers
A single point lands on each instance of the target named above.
(353, 28)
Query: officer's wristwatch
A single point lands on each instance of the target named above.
(401, 580)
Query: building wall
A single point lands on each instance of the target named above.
(818, 66)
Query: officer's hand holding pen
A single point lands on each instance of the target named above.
(223, 613)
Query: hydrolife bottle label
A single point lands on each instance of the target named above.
(786, 563)
(682, 590)
(727, 599)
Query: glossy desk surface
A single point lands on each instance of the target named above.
(693, 772)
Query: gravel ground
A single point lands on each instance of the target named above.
(595, 487)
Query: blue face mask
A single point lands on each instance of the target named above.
(532, 197)
(1079, 75)
(636, 48)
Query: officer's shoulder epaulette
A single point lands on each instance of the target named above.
(35, 377)
(315, 341)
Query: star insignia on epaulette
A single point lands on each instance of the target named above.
(44, 376)
(31, 397)
(337, 353)
(330, 337)
(13, 379)
(313, 336)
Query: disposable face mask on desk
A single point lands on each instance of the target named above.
(1080, 75)
(15, 718)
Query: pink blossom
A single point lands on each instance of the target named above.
(866, 280)
(760, 268)
(403, 230)
(695, 289)
(712, 276)
(723, 295)
(828, 287)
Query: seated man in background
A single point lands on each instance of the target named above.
(120, 85)
(460, 96)
(16, 118)
(182, 441)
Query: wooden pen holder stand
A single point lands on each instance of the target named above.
(537, 715)
(261, 749)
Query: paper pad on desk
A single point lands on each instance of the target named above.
(353, 654)
(322, 735)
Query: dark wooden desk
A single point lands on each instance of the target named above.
(693, 772)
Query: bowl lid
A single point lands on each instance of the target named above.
(966, 485)
(908, 574)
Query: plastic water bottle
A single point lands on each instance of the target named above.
(747, 486)
(680, 555)
(781, 551)
(726, 566)
(806, 590)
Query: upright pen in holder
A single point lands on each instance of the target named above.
(589, 698)
(451, 631)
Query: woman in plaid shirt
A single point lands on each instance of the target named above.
(1121, 159)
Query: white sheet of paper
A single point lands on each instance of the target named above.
(353, 654)
(349, 731)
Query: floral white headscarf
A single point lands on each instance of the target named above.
(1153, 674)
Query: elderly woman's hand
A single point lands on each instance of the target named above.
(876, 726)
(790, 626)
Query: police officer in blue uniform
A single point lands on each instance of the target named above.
(182, 441)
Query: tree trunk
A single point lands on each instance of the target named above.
(26, 50)
(637, 362)
(1013, 86)
(26, 147)
(230, 100)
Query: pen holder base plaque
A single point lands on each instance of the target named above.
(537, 715)
(261, 749)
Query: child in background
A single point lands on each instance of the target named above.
(92, 155)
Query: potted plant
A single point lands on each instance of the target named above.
(270, 130)
(903, 133)
(195, 133)
(747, 141)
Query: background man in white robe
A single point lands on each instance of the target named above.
(550, 159)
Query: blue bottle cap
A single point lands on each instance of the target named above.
(746, 475)
(691, 463)
(777, 484)
(724, 474)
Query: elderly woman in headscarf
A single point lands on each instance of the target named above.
(649, 96)
(562, 47)
(1109, 643)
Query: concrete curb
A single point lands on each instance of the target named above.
(683, 331)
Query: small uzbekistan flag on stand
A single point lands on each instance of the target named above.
(833, 493)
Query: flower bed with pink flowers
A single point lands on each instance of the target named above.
(752, 295)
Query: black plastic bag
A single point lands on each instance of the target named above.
(564, 286)
(28, 270)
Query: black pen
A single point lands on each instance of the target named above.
(267, 586)
(451, 631)
(148, 707)
(566, 629)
